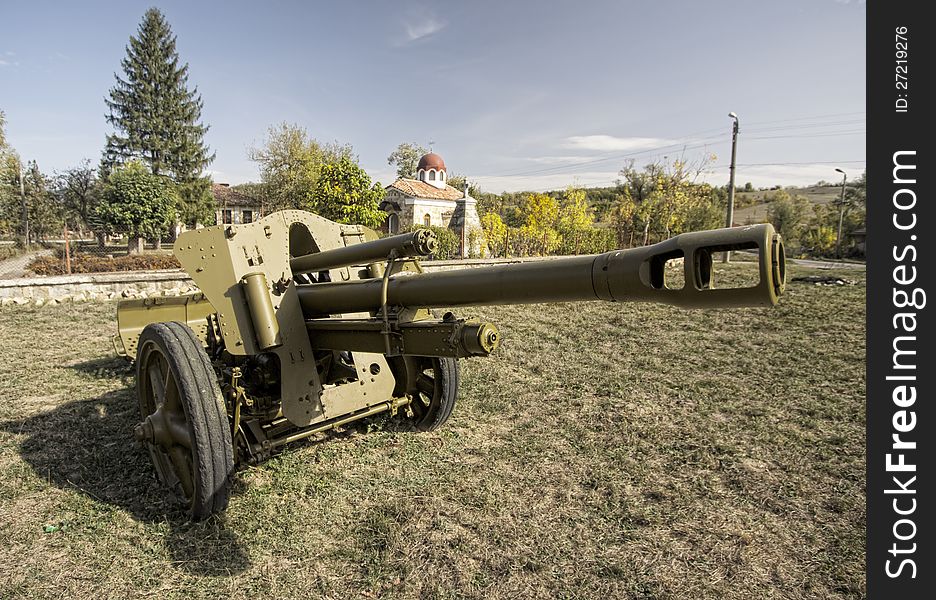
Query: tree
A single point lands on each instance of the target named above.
(495, 232)
(707, 210)
(406, 158)
(540, 213)
(344, 193)
(488, 203)
(622, 219)
(3, 141)
(291, 163)
(640, 183)
(788, 215)
(575, 221)
(459, 182)
(819, 240)
(196, 203)
(78, 191)
(856, 192)
(10, 204)
(818, 235)
(856, 200)
(138, 203)
(45, 214)
(153, 111)
(667, 199)
(157, 118)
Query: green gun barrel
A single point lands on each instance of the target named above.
(635, 275)
(421, 242)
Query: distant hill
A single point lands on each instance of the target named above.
(751, 207)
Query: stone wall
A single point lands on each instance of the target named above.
(114, 286)
(415, 213)
(99, 286)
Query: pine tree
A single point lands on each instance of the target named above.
(156, 117)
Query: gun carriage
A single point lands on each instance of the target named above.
(303, 324)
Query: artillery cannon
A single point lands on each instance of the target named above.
(303, 324)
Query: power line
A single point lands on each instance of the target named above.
(811, 135)
(659, 149)
(833, 115)
(805, 126)
(784, 164)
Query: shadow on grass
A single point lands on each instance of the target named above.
(107, 367)
(88, 445)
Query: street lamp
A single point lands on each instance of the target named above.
(838, 238)
(734, 148)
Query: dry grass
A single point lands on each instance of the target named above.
(606, 451)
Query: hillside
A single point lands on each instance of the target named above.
(751, 207)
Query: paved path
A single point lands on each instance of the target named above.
(827, 264)
(12, 268)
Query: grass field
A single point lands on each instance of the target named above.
(606, 451)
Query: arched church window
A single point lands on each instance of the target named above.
(421, 175)
(431, 174)
(427, 220)
(393, 223)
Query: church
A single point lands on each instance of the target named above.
(430, 200)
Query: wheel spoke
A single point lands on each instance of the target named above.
(426, 385)
(180, 463)
(171, 393)
(157, 382)
(178, 430)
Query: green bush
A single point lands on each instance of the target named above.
(446, 242)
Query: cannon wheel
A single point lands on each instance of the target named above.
(433, 385)
(185, 424)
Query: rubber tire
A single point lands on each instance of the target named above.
(206, 416)
(437, 416)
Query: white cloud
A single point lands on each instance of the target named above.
(604, 143)
(422, 28)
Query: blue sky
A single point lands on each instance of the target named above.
(516, 95)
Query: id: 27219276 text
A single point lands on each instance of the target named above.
(902, 69)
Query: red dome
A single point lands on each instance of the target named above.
(431, 161)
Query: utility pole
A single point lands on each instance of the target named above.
(25, 211)
(838, 238)
(734, 150)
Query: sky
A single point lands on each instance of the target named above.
(516, 95)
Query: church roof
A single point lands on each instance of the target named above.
(421, 189)
(431, 161)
